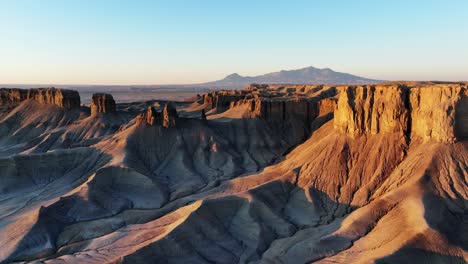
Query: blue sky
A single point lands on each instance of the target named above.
(176, 41)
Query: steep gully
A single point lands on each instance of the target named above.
(364, 113)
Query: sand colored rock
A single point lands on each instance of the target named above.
(372, 109)
(67, 99)
(167, 118)
(432, 113)
(208, 99)
(277, 102)
(102, 104)
(461, 116)
(438, 112)
(223, 100)
(379, 177)
(327, 106)
(150, 117)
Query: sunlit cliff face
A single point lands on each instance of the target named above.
(266, 174)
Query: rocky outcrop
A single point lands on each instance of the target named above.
(150, 117)
(167, 118)
(169, 115)
(256, 86)
(284, 108)
(439, 112)
(67, 99)
(432, 113)
(327, 106)
(12, 96)
(208, 99)
(271, 103)
(279, 89)
(371, 109)
(429, 111)
(223, 100)
(461, 116)
(248, 187)
(102, 103)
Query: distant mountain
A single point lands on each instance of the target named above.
(309, 75)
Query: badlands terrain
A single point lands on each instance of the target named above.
(265, 174)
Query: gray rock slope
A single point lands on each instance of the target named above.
(327, 174)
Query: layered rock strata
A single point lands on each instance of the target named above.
(67, 99)
(358, 190)
(102, 103)
(166, 118)
(12, 96)
(436, 113)
(439, 112)
(272, 104)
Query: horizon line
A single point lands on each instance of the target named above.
(56, 85)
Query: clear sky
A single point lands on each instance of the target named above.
(177, 41)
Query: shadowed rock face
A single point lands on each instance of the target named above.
(67, 99)
(169, 116)
(276, 102)
(102, 103)
(461, 117)
(166, 118)
(203, 115)
(12, 96)
(151, 116)
(268, 174)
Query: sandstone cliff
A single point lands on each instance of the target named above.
(373, 186)
(102, 103)
(434, 113)
(276, 102)
(223, 100)
(12, 96)
(371, 109)
(150, 117)
(166, 118)
(327, 106)
(304, 109)
(67, 99)
(439, 112)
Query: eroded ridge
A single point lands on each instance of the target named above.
(267, 174)
(67, 99)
